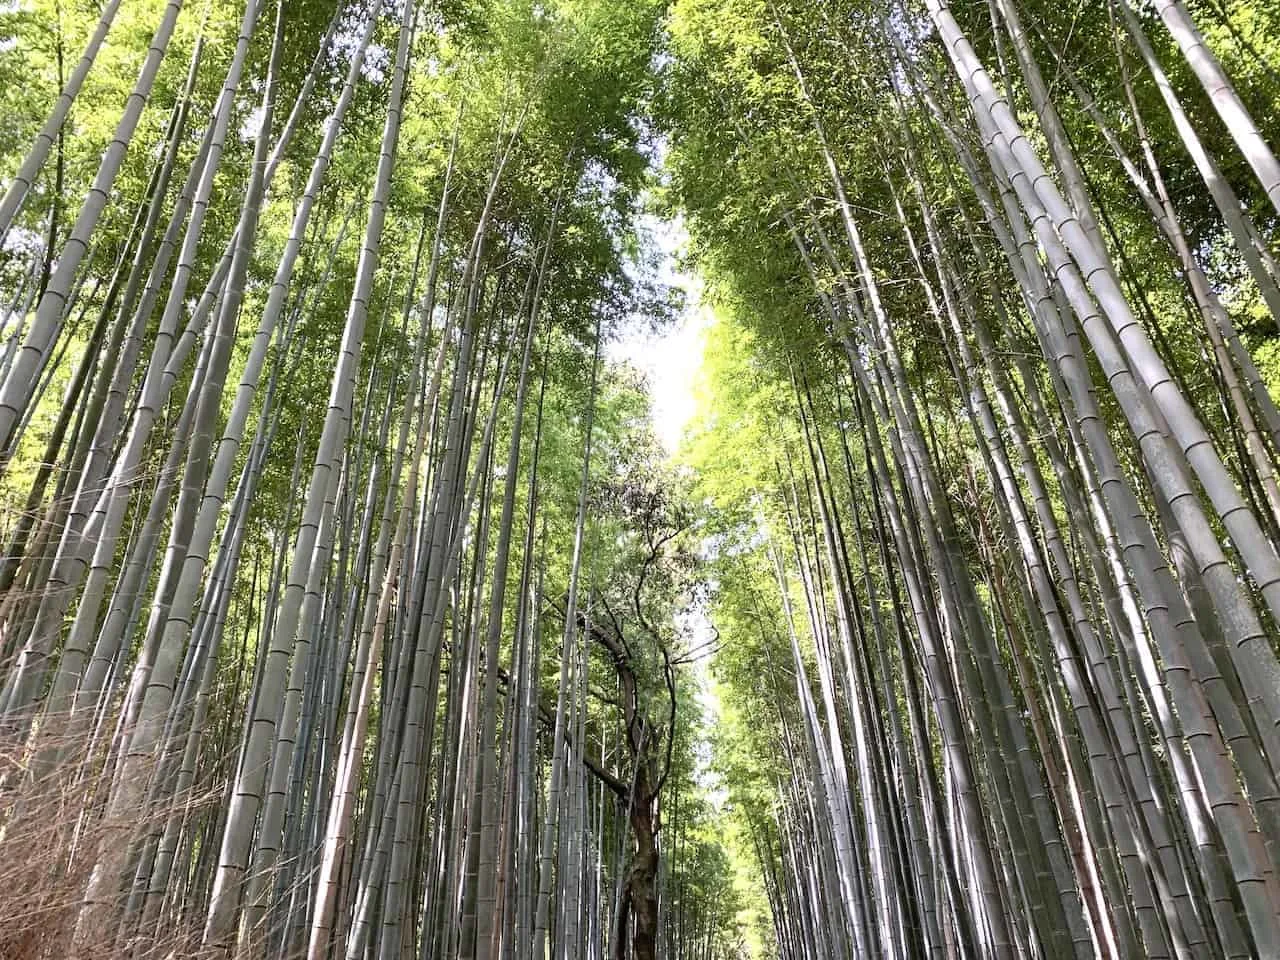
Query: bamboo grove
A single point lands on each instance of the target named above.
(350, 605)
(1000, 287)
(339, 565)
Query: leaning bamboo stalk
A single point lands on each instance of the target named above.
(20, 382)
(248, 797)
(16, 193)
(1244, 131)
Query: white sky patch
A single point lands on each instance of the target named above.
(251, 123)
(670, 360)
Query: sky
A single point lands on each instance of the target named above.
(672, 359)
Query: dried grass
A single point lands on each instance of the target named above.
(51, 833)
